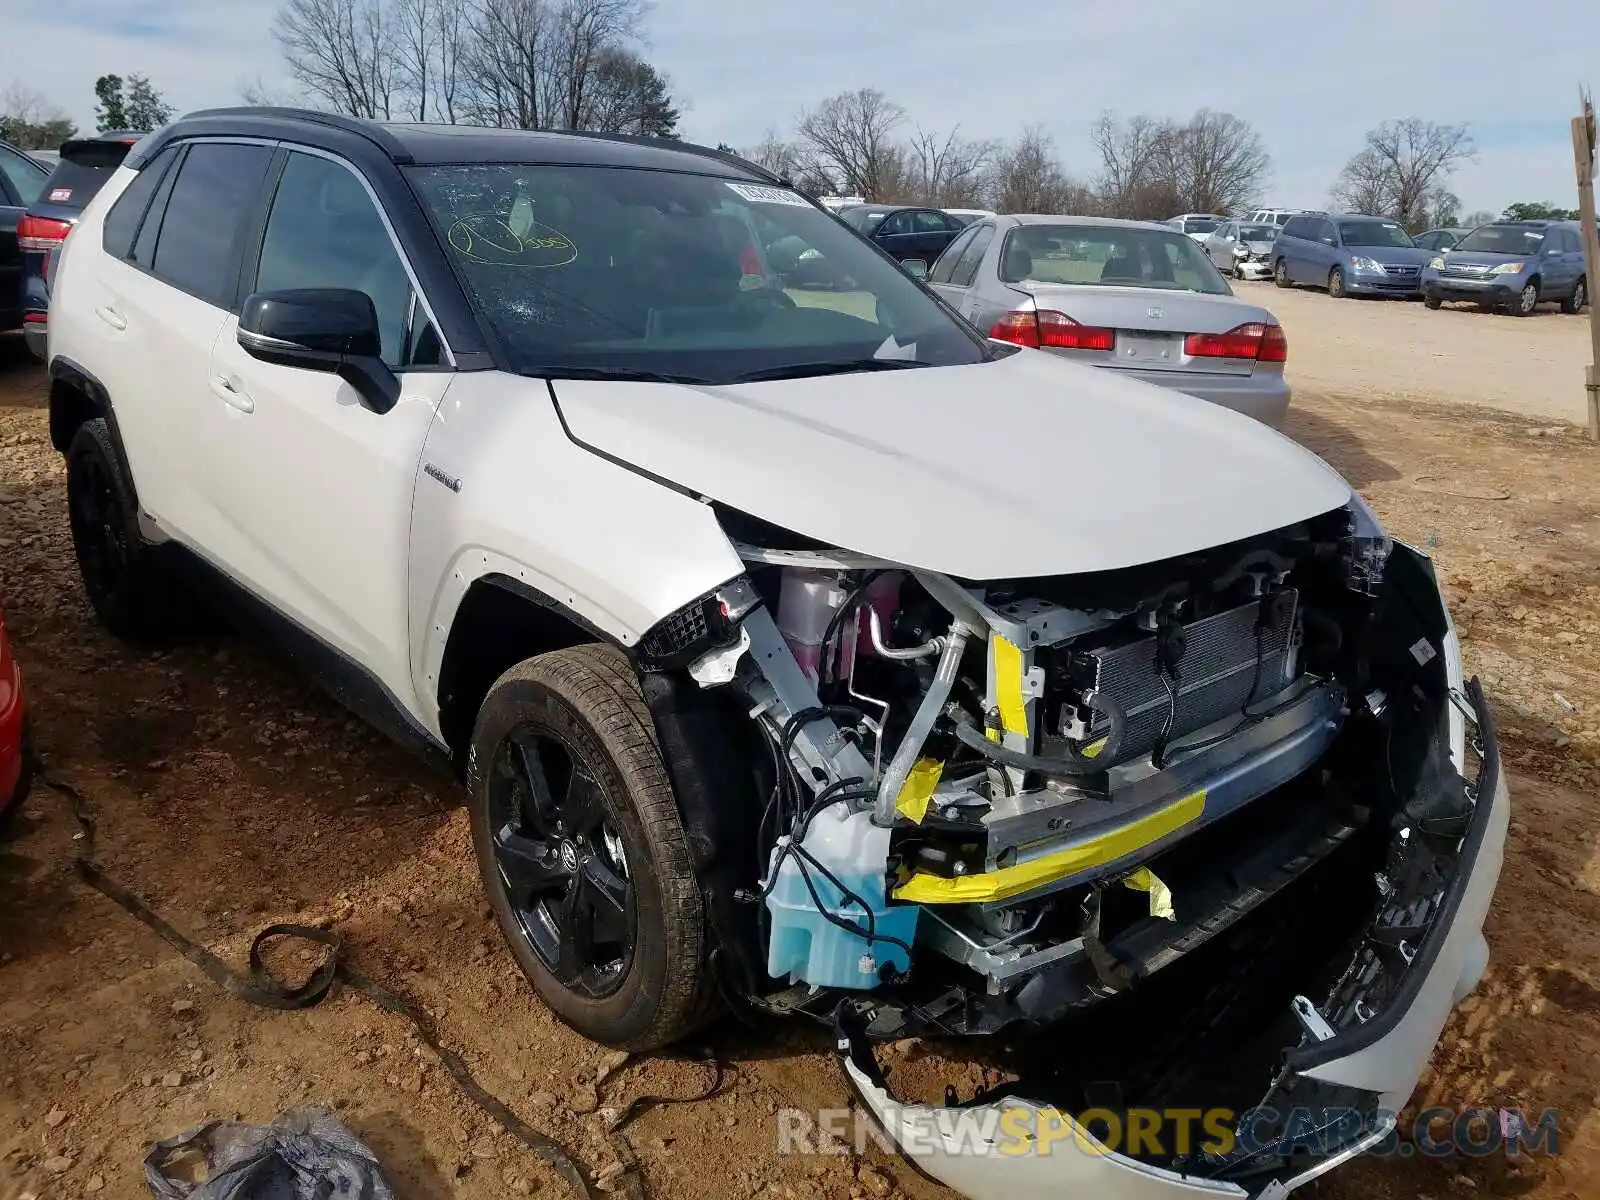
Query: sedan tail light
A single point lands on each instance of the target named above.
(1254, 340)
(1048, 329)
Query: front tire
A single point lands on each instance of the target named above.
(1280, 274)
(1336, 283)
(1432, 302)
(1527, 300)
(1574, 303)
(132, 593)
(582, 852)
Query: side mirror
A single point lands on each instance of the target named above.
(333, 330)
(915, 268)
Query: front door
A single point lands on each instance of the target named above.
(320, 488)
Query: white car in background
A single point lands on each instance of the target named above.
(1199, 226)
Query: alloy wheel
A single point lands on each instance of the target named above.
(1528, 300)
(562, 867)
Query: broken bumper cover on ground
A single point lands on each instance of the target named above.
(1351, 1083)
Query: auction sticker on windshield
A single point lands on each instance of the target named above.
(770, 195)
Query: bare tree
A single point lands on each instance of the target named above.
(342, 53)
(29, 120)
(948, 171)
(450, 36)
(774, 154)
(259, 92)
(585, 31)
(1133, 154)
(851, 137)
(416, 39)
(628, 95)
(505, 68)
(1401, 168)
(1216, 162)
(1027, 177)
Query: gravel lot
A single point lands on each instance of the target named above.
(231, 794)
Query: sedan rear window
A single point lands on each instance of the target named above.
(1111, 255)
(623, 273)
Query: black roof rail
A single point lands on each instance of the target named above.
(372, 131)
(636, 139)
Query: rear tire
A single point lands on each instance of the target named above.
(131, 592)
(1280, 274)
(582, 852)
(1336, 283)
(1574, 303)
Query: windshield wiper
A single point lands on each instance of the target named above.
(837, 367)
(620, 374)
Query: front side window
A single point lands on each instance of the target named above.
(24, 174)
(325, 232)
(610, 271)
(1114, 255)
(1380, 234)
(1503, 239)
(897, 223)
(196, 249)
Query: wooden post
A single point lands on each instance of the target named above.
(1583, 155)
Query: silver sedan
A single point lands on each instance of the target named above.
(1242, 249)
(1128, 296)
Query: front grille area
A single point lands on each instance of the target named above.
(1464, 272)
(1217, 674)
(1403, 272)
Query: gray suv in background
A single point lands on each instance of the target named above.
(1349, 255)
(1516, 265)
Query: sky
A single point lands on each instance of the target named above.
(1312, 75)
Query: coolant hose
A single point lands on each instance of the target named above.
(1073, 763)
(910, 748)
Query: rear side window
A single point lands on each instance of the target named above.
(946, 263)
(196, 250)
(967, 269)
(1295, 227)
(122, 222)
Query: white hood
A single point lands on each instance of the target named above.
(1029, 465)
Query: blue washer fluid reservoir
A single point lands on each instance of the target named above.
(808, 948)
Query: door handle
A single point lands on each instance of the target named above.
(111, 317)
(224, 390)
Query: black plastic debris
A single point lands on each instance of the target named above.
(306, 1154)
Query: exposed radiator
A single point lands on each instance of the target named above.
(1217, 675)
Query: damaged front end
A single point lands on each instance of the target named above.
(1212, 835)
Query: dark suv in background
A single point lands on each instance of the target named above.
(1349, 255)
(21, 178)
(84, 166)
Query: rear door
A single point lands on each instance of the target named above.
(21, 179)
(933, 231)
(160, 304)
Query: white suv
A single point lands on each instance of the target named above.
(801, 650)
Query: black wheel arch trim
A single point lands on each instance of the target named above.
(65, 371)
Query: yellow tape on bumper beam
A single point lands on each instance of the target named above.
(1146, 880)
(1008, 686)
(924, 888)
(918, 788)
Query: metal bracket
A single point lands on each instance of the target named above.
(1311, 1020)
(716, 667)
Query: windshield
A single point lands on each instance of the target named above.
(1502, 239)
(1119, 256)
(1374, 233)
(1258, 233)
(1199, 224)
(610, 271)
